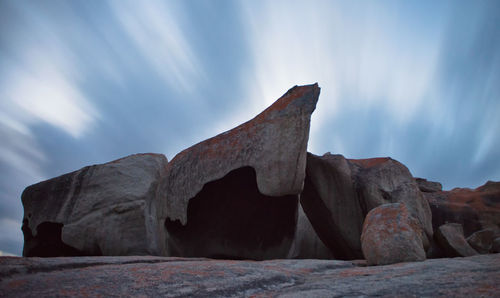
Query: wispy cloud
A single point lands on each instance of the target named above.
(156, 31)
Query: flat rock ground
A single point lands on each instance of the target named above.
(170, 277)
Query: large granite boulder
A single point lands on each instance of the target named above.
(392, 235)
(475, 209)
(339, 193)
(385, 180)
(451, 239)
(106, 209)
(236, 194)
(331, 204)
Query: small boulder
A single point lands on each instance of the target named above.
(451, 239)
(392, 235)
(428, 186)
(481, 241)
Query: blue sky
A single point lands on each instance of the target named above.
(86, 82)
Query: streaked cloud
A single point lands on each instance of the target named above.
(156, 31)
(368, 60)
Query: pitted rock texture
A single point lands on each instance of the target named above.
(274, 143)
(106, 209)
(392, 235)
(332, 205)
(475, 209)
(450, 238)
(384, 181)
(175, 277)
(428, 186)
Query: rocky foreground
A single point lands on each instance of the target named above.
(474, 276)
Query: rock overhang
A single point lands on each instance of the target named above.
(273, 143)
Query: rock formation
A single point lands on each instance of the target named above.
(107, 209)
(385, 180)
(339, 193)
(254, 192)
(475, 209)
(273, 143)
(235, 195)
(392, 235)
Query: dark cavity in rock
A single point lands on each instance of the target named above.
(230, 218)
(47, 242)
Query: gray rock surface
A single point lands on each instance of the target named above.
(106, 209)
(482, 240)
(451, 239)
(392, 235)
(385, 180)
(175, 277)
(331, 203)
(273, 143)
(428, 186)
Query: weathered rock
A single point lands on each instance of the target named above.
(451, 239)
(475, 210)
(384, 180)
(481, 241)
(306, 243)
(230, 218)
(106, 209)
(331, 204)
(428, 186)
(392, 235)
(174, 277)
(273, 143)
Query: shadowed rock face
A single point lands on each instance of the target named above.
(47, 242)
(273, 143)
(331, 204)
(482, 241)
(450, 238)
(230, 218)
(105, 209)
(474, 209)
(306, 243)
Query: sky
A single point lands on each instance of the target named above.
(87, 82)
